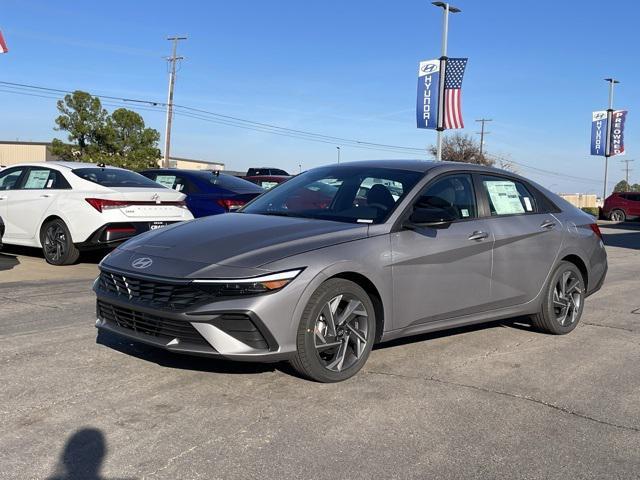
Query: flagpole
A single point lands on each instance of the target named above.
(443, 65)
(607, 148)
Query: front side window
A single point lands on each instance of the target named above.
(114, 177)
(346, 194)
(454, 194)
(9, 179)
(507, 197)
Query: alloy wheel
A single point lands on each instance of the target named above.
(617, 216)
(55, 242)
(567, 298)
(341, 332)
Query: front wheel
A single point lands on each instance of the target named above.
(336, 332)
(563, 302)
(57, 245)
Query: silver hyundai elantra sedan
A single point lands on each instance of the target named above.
(322, 267)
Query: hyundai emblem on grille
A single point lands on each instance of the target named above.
(142, 262)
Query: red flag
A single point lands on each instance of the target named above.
(3, 44)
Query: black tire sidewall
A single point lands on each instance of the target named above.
(622, 214)
(307, 353)
(547, 308)
(70, 247)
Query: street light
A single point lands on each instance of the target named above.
(338, 148)
(445, 33)
(607, 148)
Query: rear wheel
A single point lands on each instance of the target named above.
(618, 216)
(563, 301)
(336, 332)
(57, 245)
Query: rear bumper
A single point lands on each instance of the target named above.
(112, 234)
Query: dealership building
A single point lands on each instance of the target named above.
(12, 153)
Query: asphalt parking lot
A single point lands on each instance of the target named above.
(493, 401)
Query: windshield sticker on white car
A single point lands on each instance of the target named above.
(37, 179)
(464, 212)
(166, 180)
(504, 196)
(365, 220)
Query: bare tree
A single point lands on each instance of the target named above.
(460, 147)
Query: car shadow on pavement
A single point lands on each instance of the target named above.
(622, 240)
(520, 323)
(7, 262)
(180, 361)
(89, 256)
(82, 457)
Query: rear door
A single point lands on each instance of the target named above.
(633, 204)
(28, 205)
(527, 239)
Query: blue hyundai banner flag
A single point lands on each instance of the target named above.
(428, 88)
(616, 141)
(599, 133)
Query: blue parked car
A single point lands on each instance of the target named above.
(208, 192)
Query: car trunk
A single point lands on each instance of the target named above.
(147, 202)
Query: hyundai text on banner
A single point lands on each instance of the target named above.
(428, 88)
(616, 142)
(599, 133)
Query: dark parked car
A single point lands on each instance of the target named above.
(267, 181)
(621, 206)
(312, 273)
(253, 172)
(208, 192)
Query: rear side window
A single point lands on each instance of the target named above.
(172, 181)
(114, 177)
(507, 197)
(634, 197)
(229, 182)
(44, 179)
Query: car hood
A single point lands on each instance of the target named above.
(239, 241)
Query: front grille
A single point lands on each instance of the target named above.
(174, 296)
(148, 324)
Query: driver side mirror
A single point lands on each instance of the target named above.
(429, 217)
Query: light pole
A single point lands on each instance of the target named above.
(447, 8)
(338, 148)
(607, 148)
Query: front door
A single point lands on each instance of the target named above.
(441, 273)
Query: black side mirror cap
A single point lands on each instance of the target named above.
(429, 217)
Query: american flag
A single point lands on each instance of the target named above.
(3, 45)
(453, 92)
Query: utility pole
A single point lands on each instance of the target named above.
(482, 133)
(607, 148)
(338, 148)
(627, 169)
(447, 8)
(173, 59)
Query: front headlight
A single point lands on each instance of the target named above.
(247, 286)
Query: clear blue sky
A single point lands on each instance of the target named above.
(343, 68)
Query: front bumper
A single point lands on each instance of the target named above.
(231, 329)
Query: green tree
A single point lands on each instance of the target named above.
(129, 143)
(462, 148)
(120, 139)
(622, 186)
(83, 118)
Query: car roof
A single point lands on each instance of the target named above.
(422, 165)
(73, 165)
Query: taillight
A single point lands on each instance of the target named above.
(596, 229)
(101, 204)
(230, 204)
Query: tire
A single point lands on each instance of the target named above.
(335, 351)
(57, 245)
(562, 306)
(617, 215)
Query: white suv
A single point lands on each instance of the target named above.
(65, 207)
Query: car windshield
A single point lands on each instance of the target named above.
(341, 193)
(114, 177)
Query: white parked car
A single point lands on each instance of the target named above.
(65, 207)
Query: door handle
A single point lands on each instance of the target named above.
(548, 224)
(478, 235)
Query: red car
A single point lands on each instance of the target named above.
(621, 206)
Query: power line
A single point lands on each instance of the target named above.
(482, 132)
(627, 169)
(173, 59)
